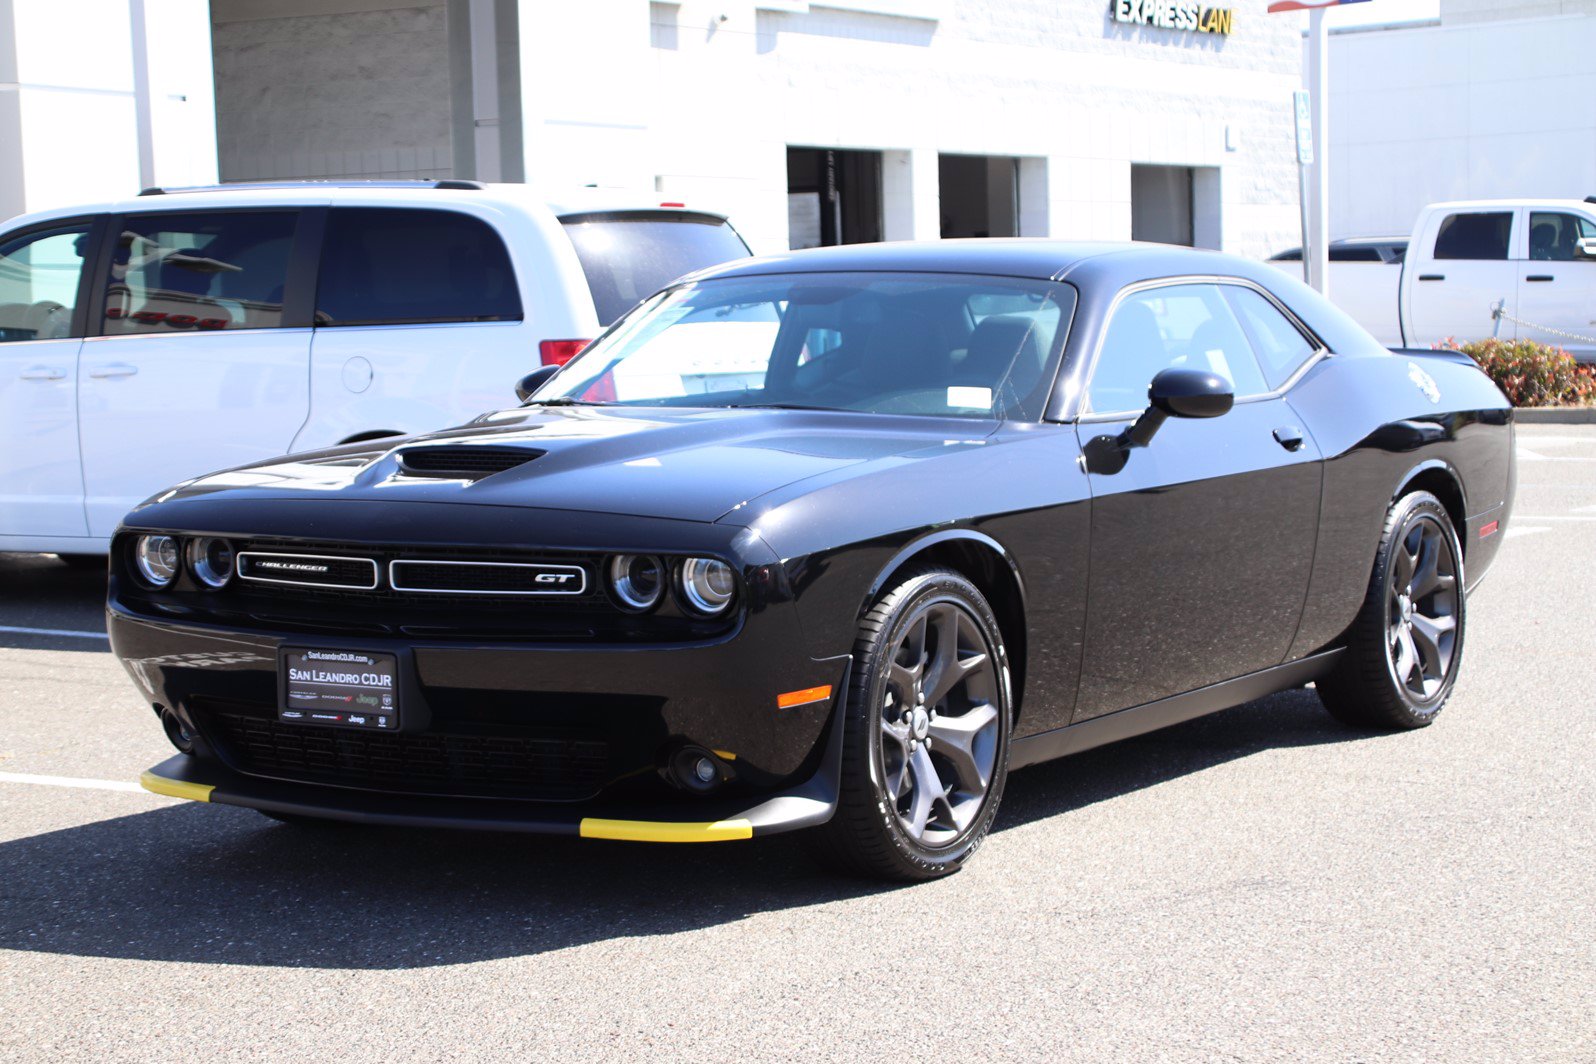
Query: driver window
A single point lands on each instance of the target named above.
(1553, 236)
(1189, 326)
(39, 283)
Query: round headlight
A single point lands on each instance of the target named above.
(708, 585)
(637, 580)
(157, 559)
(211, 561)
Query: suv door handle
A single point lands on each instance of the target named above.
(113, 370)
(43, 373)
(1289, 437)
(1540, 277)
(1432, 276)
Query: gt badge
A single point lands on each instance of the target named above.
(1424, 382)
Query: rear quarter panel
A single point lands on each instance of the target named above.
(1378, 428)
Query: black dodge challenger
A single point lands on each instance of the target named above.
(831, 540)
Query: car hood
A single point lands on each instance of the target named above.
(691, 465)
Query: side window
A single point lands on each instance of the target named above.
(1188, 326)
(1280, 347)
(199, 272)
(1474, 236)
(1553, 236)
(39, 275)
(1357, 253)
(385, 266)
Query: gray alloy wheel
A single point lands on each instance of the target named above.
(1404, 649)
(939, 724)
(1422, 608)
(925, 732)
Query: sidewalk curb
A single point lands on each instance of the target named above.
(1555, 415)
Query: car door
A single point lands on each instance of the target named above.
(41, 330)
(202, 360)
(1461, 272)
(1557, 288)
(418, 324)
(1202, 541)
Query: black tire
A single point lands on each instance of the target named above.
(1366, 690)
(873, 832)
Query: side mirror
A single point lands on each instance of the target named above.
(1180, 393)
(533, 381)
(1585, 248)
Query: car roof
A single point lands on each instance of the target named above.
(562, 201)
(1039, 258)
(1503, 204)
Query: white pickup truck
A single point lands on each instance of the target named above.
(1533, 259)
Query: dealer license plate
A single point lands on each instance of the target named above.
(340, 688)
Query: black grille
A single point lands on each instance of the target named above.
(308, 570)
(468, 462)
(485, 578)
(529, 766)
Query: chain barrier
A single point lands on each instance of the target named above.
(1499, 313)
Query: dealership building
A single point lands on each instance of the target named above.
(809, 123)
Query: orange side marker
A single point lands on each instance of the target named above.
(804, 697)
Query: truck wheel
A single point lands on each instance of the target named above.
(1404, 648)
(926, 733)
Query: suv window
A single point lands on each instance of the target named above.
(1190, 326)
(629, 255)
(1280, 347)
(396, 266)
(39, 274)
(198, 272)
(1554, 235)
(1355, 253)
(1474, 236)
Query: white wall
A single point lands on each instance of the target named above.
(704, 108)
(1498, 108)
(68, 129)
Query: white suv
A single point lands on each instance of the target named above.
(148, 341)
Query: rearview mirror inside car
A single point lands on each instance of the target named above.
(533, 381)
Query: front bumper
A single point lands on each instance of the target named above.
(722, 696)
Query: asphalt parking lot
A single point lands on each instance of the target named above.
(1262, 884)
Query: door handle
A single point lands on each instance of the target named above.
(43, 373)
(1289, 437)
(1540, 277)
(1432, 276)
(113, 371)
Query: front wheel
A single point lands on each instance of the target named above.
(1404, 649)
(926, 732)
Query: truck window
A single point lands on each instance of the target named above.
(629, 255)
(1474, 236)
(202, 272)
(395, 266)
(1553, 236)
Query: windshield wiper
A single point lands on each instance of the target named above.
(562, 400)
(778, 406)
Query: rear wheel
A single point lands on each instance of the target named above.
(1404, 649)
(926, 732)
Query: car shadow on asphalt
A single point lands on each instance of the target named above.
(41, 593)
(222, 885)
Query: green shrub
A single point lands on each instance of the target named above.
(1532, 374)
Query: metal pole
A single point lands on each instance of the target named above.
(1319, 185)
(143, 116)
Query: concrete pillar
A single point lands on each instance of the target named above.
(910, 200)
(1034, 206)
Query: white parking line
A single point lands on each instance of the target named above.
(1555, 517)
(64, 632)
(70, 781)
(1524, 530)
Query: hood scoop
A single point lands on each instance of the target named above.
(463, 463)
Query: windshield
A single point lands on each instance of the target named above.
(629, 255)
(948, 345)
